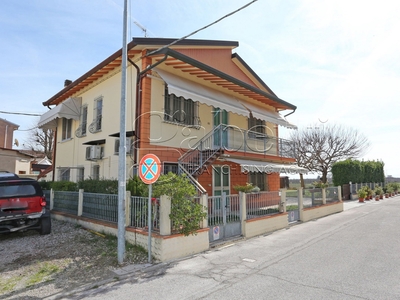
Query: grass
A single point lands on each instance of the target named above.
(8, 284)
(43, 274)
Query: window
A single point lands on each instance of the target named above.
(64, 174)
(96, 172)
(180, 110)
(258, 179)
(66, 129)
(83, 120)
(80, 175)
(170, 167)
(97, 114)
(256, 128)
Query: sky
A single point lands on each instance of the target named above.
(337, 61)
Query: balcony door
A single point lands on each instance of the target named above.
(220, 116)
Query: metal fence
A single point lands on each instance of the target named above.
(312, 197)
(356, 186)
(100, 206)
(262, 204)
(220, 212)
(139, 212)
(105, 207)
(332, 195)
(66, 202)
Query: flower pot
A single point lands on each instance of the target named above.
(360, 199)
(377, 198)
(380, 196)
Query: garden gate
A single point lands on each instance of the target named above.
(224, 213)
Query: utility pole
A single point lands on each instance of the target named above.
(122, 143)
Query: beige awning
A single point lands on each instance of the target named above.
(247, 165)
(188, 89)
(69, 109)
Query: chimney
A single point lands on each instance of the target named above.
(67, 82)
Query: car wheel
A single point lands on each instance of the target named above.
(45, 226)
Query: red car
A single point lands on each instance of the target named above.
(22, 205)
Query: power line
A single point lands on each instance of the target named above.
(196, 31)
(20, 113)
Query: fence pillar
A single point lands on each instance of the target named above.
(127, 208)
(204, 202)
(80, 202)
(243, 211)
(165, 210)
(339, 193)
(51, 199)
(300, 202)
(282, 204)
(323, 195)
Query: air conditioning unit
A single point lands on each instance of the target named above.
(94, 152)
(128, 143)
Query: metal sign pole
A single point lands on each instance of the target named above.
(149, 222)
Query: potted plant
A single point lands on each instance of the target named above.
(244, 188)
(389, 191)
(378, 193)
(368, 191)
(361, 194)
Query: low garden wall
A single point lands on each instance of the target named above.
(163, 248)
(316, 212)
(262, 225)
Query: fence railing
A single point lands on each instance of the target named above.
(139, 212)
(262, 204)
(66, 202)
(100, 206)
(216, 206)
(105, 207)
(221, 209)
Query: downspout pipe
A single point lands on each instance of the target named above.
(290, 113)
(139, 76)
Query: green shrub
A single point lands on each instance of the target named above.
(101, 186)
(186, 214)
(136, 186)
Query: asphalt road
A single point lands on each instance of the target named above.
(351, 255)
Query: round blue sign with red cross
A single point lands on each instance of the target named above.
(149, 168)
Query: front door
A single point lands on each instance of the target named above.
(221, 175)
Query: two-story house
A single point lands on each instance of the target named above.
(195, 104)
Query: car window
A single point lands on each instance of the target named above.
(17, 190)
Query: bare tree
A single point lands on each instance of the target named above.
(41, 140)
(319, 147)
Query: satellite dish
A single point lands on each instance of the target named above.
(16, 143)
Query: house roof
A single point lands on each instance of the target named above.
(156, 48)
(9, 123)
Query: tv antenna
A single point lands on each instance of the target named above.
(141, 27)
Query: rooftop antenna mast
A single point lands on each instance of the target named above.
(141, 27)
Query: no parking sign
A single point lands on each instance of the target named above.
(149, 168)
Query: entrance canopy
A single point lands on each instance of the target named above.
(247, 165)
(69, 109)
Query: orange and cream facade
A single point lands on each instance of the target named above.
(195, 104)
